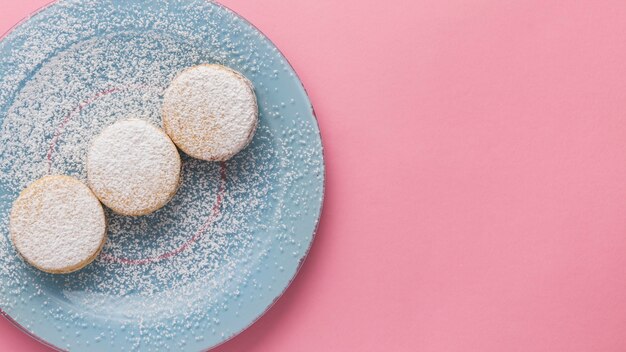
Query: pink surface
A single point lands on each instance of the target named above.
(476, 155)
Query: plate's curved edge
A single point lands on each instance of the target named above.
(319, 215)
(28, 17)
(6, 316)
(321, 209)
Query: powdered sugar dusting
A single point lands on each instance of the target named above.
(83, 65)
(57, 224)
(210, 112)
(133, 167)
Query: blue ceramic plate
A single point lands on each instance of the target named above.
(207, 265)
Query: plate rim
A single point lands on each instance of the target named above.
(300, 264)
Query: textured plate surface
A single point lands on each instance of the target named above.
(206, 266)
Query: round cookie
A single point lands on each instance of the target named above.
(133, 167)
(210, 112)
(57, 224)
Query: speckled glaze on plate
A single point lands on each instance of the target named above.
(210, 263)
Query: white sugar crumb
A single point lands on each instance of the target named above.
(57, 224)
(133, 167)
(207, 263)
(210, 112)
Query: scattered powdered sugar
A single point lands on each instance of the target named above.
(204, 266)
(210, 112)
(57, 224)
(133, 167)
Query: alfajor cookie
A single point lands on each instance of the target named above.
(57, 224)
(210, 112)
(133, 167)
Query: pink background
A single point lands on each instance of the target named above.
(476, 154)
